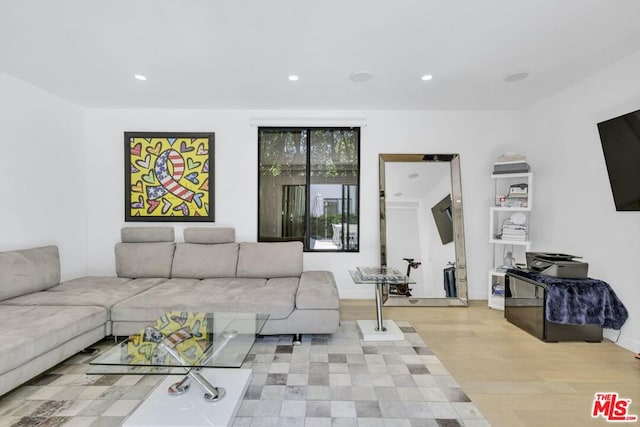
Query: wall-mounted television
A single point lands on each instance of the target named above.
(620, 138)
(444, 220)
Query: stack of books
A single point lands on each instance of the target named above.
(518, 196)
(519, 190)
(511, 163)
(512, 231)
(513, 202)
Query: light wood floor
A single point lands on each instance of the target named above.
(512, 377)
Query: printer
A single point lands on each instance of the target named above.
(556, 265)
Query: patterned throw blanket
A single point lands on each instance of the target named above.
(580, 301)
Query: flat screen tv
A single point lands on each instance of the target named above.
(620, 138)
(444, 221)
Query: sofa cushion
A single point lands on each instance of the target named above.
(198, 261)
(98, 291)
(275, 297)
(317, 290)
(146, 234)
(28, 332)
(144, 259)
(209, 235)
(158, 299)
(93, 282)
(28, 270)
(268, 260)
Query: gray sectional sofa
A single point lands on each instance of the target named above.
(43, 321)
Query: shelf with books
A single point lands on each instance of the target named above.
(513, 190)
(509, 229)
(509, 224)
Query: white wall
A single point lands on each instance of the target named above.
(574, 210)
(477, 136)
(43, 191)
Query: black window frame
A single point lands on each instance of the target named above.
(308, 197)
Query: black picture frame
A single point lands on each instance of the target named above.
(169, 176)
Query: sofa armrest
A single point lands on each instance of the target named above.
(317, 290)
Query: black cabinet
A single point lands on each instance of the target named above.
(524, 306)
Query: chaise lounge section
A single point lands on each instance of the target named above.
(33, 338)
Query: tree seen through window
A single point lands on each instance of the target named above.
(308, 186)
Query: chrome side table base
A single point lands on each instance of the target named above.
(379, 329)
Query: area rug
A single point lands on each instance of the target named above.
(328, 380)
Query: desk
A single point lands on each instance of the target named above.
(380, 330)
(556, 309)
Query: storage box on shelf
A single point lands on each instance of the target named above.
(509, 228)
(496, 289)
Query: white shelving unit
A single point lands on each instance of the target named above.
(499, 215)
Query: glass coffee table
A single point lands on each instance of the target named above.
(184, 343)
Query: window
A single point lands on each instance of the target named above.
(308, 184)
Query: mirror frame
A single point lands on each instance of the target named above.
(458, 228)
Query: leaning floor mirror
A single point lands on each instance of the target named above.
(422, 230)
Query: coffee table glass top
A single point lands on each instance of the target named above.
(387, 275)
(184, 340)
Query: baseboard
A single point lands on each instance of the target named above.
(364, 294)
(626, 343)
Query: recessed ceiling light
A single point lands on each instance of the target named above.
(360, 76)
(426, 77)
(139, 77)
(517, 76)
(293, 78)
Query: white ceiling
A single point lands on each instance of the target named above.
(238, 53)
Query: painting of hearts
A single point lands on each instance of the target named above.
(169, 176)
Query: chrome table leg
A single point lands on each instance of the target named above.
(212, 394)
(380, 327)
